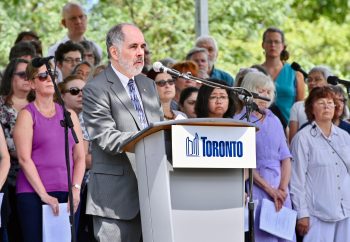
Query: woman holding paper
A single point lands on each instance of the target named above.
(320, 178)
(272, 174)
(39, 139)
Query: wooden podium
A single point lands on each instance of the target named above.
(195, 201)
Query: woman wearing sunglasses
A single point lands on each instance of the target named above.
(166, 91)
(72, 95)
(13, 90)
(39, 139)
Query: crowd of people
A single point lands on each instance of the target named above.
(301, 145)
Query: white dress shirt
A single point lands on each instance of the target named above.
(320, 182)
(124, 80)
(52, 49)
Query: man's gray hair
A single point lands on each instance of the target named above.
(68, 5)
(116, 36)
(196, 50)
(206, 38)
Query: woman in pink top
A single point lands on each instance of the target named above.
(39, 139)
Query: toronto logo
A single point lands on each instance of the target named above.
(192, 146)
(213, 148)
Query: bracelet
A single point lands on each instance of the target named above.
(77, 186)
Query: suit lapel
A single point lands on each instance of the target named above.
(120, 92)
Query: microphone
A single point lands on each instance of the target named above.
(38, 61)
(158, 67)
(295, 66)
(334, 80)
(251, 103)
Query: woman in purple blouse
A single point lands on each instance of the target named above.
(273, 164)
(39, 139)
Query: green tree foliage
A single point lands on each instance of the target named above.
(316, 30)
(311, 10)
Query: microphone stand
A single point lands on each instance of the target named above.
(66, 123)
(250, 107)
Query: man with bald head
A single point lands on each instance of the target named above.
(209, 43)
(118, 103)
(74, 19)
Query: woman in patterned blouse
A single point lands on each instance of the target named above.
(14, 90)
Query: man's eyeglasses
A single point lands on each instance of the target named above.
(71, 60)
(73, 91)
(44, 75)
(162, 83)
(21, 74)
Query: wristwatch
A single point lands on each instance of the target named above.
(77, 186)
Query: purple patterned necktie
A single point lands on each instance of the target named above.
(137, 104)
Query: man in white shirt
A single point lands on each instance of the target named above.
(75, 20)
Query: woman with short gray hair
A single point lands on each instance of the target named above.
(273, 171)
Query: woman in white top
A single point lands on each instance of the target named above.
(320, 172)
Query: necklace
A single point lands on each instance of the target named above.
(170, 117)
(47, 113)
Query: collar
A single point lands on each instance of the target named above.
(333, 130)
(124, 79)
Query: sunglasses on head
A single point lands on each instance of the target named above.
(44, 75)
(73, 91)
(21, 74)
(162, 83)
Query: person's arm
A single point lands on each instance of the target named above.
(286, 171)
(98, 119)
(5, 159)
(78, 159)
(299, 149)
(273, 193)
(293, 120)
(293, 129)
(23, 136)
(300, 86)
(88, 157)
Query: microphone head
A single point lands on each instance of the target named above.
(39, 61)
(295, 66)
(157, 66)
(333, 80)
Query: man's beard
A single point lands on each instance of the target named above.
(130, 68)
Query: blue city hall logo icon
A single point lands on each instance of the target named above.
(213, 148)
(192, 146)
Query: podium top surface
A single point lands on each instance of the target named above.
(129, 144)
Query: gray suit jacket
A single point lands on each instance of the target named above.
(110, 118)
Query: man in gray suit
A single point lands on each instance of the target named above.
(117, 104)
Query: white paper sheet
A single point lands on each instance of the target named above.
(246, 214)
(281, 224)
(1, 197)
(56, 228)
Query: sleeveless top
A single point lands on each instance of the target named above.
(48, 152)
(285, 90)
